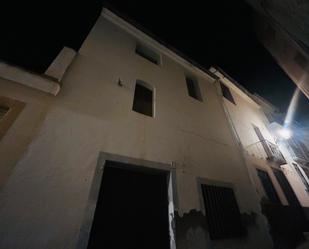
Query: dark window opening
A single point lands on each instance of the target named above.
(287, 189)
(193, 89)
(3, 111)
(222, 213)
(227, 93)
(143, 99)
(301, 60)
(268, 186)
(131, 210)
(9, 111)
(148, 54)
(301, 176)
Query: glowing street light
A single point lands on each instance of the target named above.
(285, 133)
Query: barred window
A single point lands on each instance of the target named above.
(222, 212)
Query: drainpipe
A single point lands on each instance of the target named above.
(236, 136)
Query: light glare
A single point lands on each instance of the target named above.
(285, 133)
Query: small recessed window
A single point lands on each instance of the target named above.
(148, 54)
(222, 212)
(301, 60)
(143, 98)
(227, 93)
(193, 88)
(3, 111)
(9, 111)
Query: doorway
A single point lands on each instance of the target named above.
(268, 186)
(287, 189)
(132, 209)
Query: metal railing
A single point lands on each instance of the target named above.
(266, 150)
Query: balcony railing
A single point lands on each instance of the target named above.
(266, 150)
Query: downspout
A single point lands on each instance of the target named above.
(236, 136)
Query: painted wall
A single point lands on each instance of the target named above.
(43, 202)
(21, 133)
(292, 175)
(288, 169)
(244, 115)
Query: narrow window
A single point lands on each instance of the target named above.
(143, 99)
(9, 111)
(268, 186)
(222, 212)
(148, 54)
(227, 93)
(193, 88)
(3, 111)
(301, 176)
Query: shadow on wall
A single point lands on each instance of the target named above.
(192, 229)
(287, 224)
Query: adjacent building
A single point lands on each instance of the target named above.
(278, 167)
(290, 53)
(294, 148)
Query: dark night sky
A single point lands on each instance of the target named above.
(219, 32)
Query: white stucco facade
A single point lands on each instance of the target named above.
(50, 153)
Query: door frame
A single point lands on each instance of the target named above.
(140, 164)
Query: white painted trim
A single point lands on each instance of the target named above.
(28, 79)
(169, 169)
(147, 40)
(61, 63)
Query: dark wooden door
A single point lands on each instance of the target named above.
(132, 210)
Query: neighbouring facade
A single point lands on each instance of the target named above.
(125, 101)
(278, 167)
(295, 151)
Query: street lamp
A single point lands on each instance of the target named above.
(285, 133)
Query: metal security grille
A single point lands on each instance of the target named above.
(222, 212)
(148, 54)
(3, 110)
